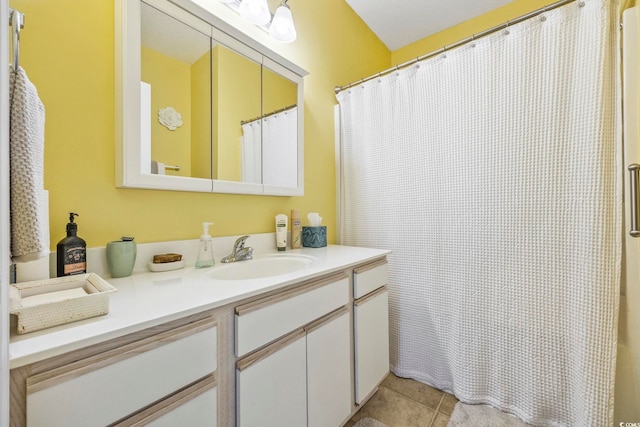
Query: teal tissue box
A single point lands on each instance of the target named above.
(314, 237)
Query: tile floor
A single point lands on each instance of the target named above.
(401, 402)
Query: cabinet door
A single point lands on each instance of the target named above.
(272, 385)
(329, 370)
(371, 329)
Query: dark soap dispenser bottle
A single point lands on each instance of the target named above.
(72, 251)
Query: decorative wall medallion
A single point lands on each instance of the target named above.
(169, 118)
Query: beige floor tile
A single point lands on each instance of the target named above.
(449, 401)
(441, 420)
(395, 410)
(422, 393)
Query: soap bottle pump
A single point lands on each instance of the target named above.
(71, 252)
(205, 251)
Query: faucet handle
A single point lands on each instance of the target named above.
(239, 244)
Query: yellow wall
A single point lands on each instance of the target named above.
(67, 49)
(201, 117)
(277, 92)
(170, 82)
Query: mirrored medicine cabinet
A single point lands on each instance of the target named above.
(200, 110)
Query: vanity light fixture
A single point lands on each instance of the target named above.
(255, 11)
(281, 27)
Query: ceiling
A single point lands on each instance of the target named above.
(399, 23)
(167, 35)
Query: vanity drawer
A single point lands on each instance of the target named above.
(195, 406)
(369, 277)
(105, 388)
(263, 321)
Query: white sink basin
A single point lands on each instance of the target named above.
(263, 266)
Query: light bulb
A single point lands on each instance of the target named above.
(255, 11)
(282, 27)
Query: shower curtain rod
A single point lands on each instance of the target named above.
(288, 107)
(462, 42)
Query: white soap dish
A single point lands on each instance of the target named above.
(166, 266)
(45, 303)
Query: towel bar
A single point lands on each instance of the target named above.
(16, 20)
(634, 168)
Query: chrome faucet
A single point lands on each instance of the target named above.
(240, 252)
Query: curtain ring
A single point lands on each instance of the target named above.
(542, 17)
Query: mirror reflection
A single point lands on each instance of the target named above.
(279, 125)
(175, 69)
(237, 96)
(210, 112)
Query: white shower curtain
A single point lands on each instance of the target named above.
(493, 172)
(280, 149)
(252, 152)
(270, 149)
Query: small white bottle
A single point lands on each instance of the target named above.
(205, 251)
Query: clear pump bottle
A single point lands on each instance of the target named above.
(205, 250)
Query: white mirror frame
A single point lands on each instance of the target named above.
(132, 160)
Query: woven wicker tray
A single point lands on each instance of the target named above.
(77, 297)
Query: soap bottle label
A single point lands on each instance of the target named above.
(75, 261)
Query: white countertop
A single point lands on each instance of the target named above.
(144, 300)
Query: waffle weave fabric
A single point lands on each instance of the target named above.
(493, 172)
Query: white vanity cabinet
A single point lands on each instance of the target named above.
(305, 353)
(115, 382)
(371, 327)
(303, 378)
